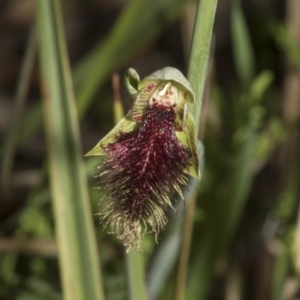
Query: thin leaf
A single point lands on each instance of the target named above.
(198, 62)
(242, 48)
(76, 239)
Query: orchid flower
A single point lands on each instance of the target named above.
(148, 156)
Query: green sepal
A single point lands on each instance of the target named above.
(126, 124)
(188, 139)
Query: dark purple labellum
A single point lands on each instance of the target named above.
(143, 168)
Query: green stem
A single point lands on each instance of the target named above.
(200, 53)
(136, 276)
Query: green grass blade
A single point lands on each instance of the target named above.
(200, 53)
(242, 49)
(15, 123)
(76, 240)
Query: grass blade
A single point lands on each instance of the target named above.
(76, 240)
(198, 62)
(242, 48)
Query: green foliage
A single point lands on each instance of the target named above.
(248, 197)
(79, 265)
(242, 49)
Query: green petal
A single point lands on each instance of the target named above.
(125, 125)
(188, 139)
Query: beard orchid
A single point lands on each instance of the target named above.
(148, 156)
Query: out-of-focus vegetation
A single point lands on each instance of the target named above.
(238, 234)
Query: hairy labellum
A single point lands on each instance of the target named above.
(145, 167)
(148, 155)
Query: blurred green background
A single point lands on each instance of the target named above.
(238, 234)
